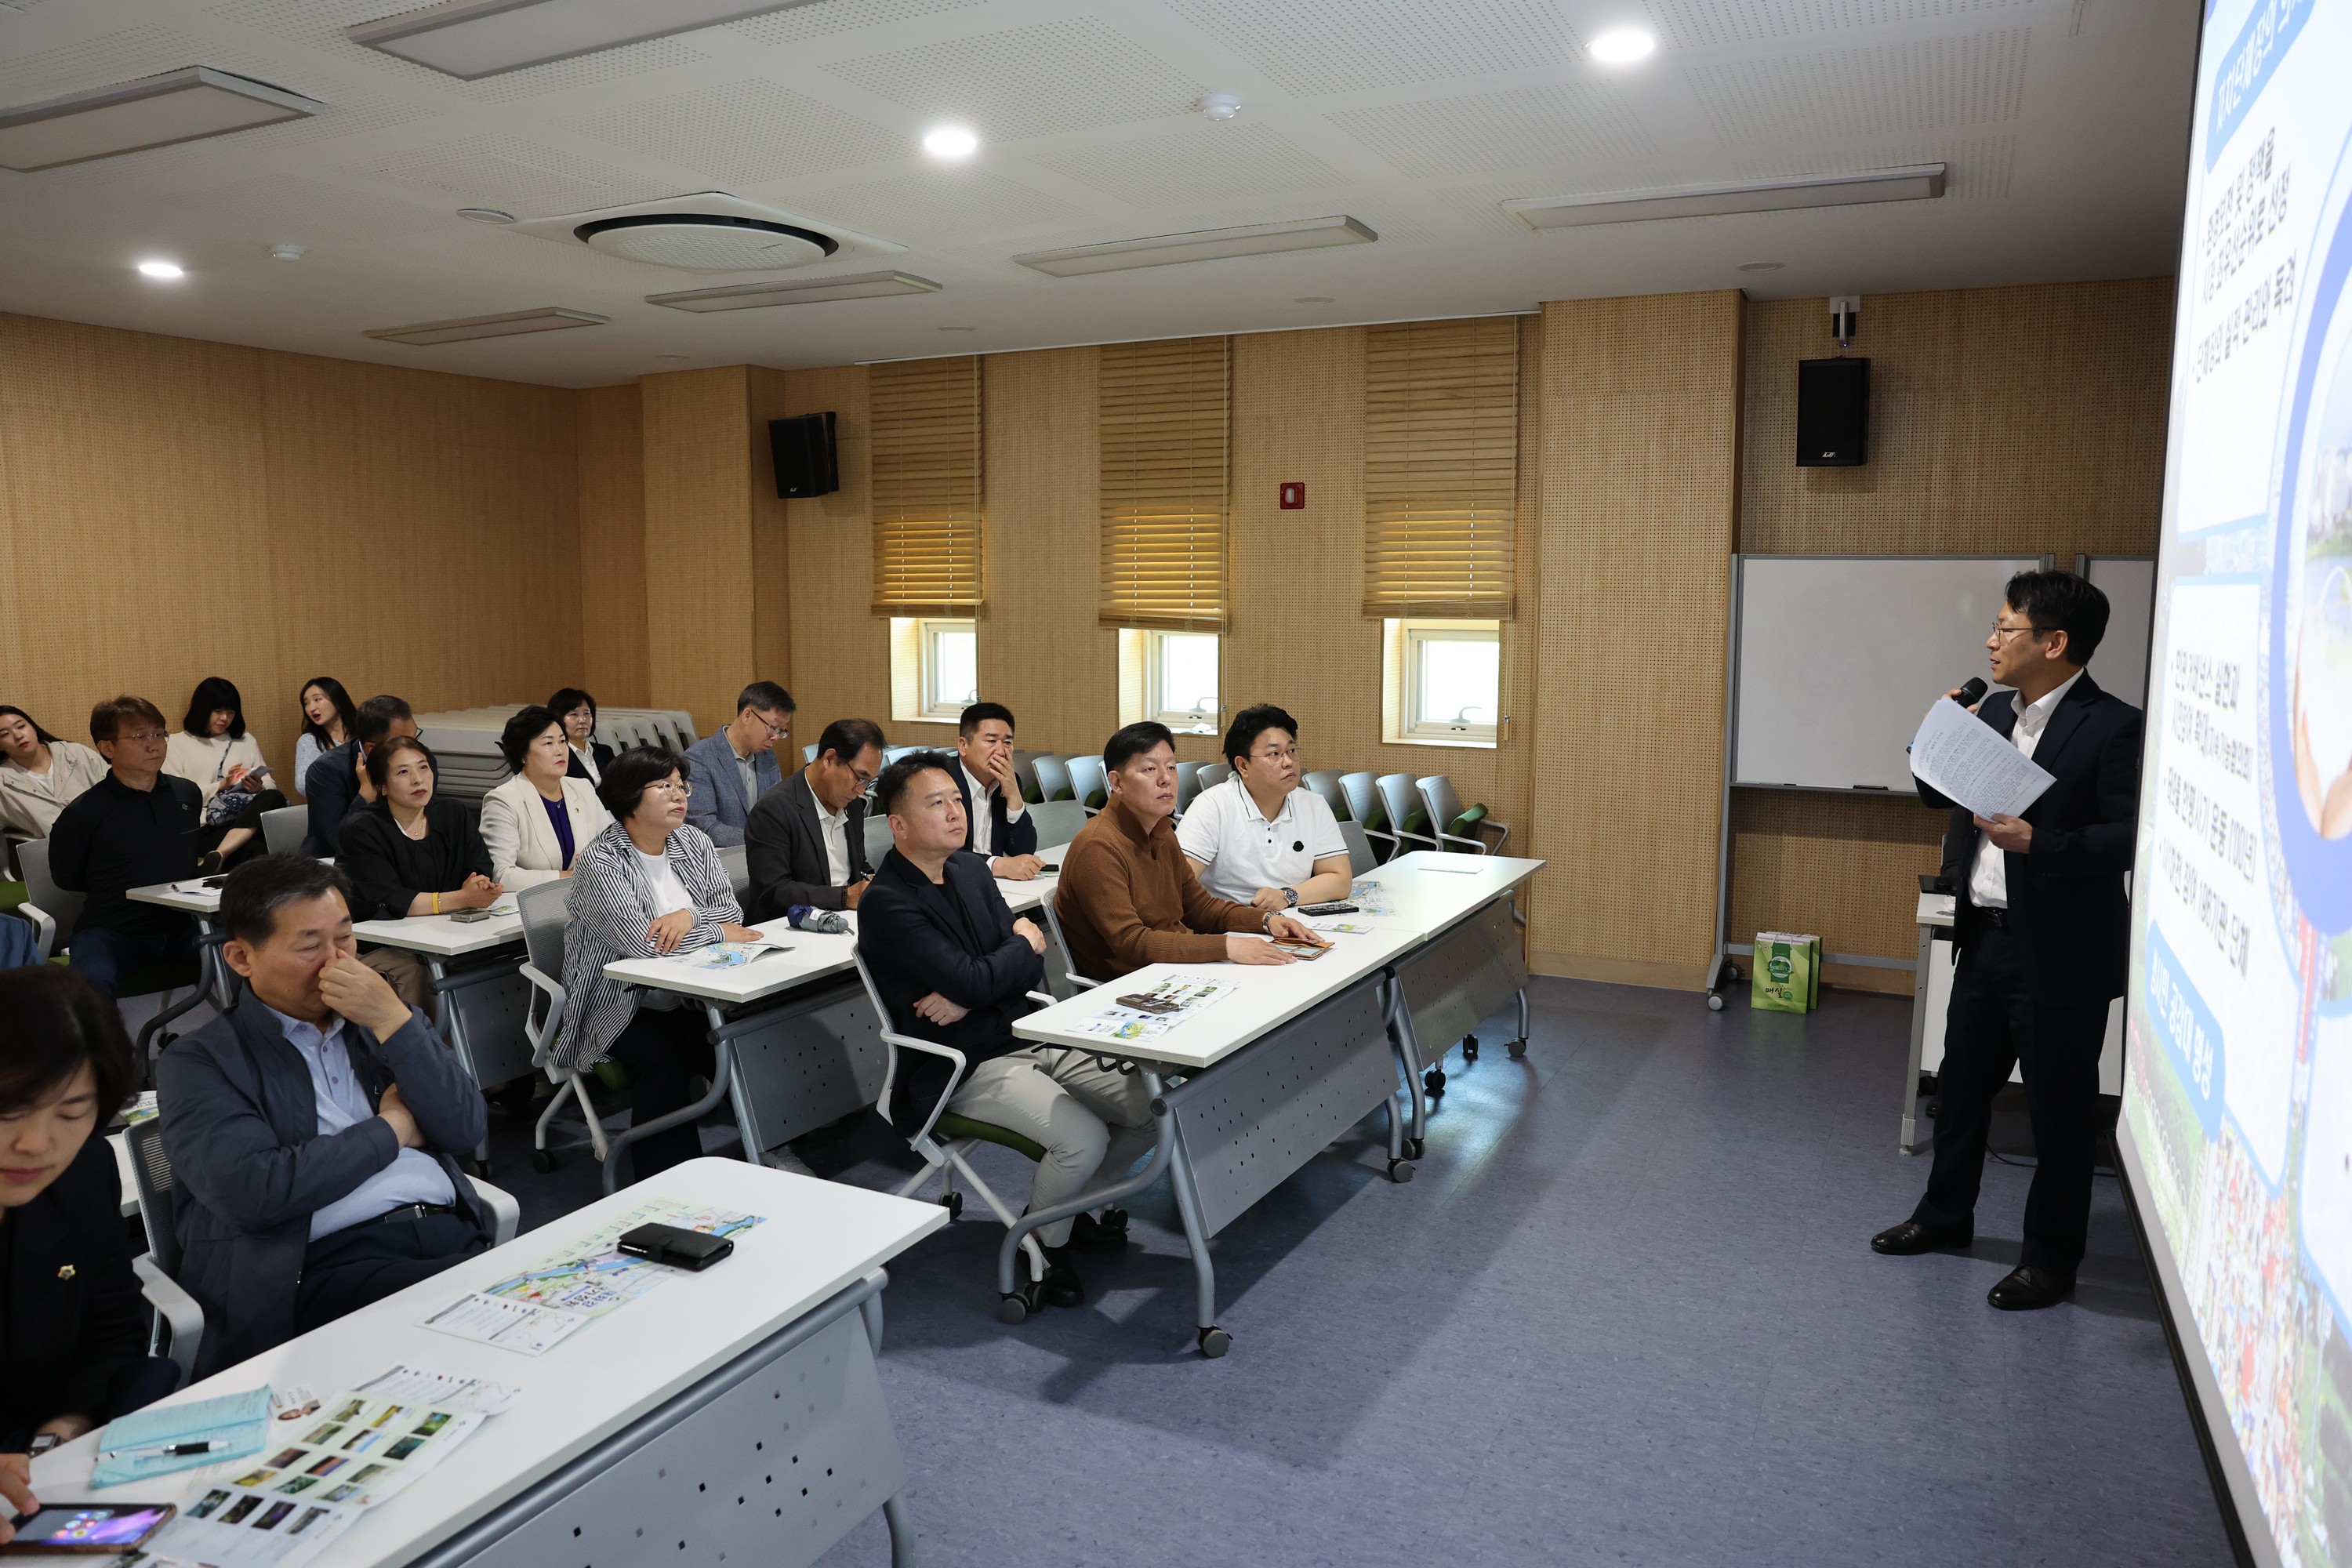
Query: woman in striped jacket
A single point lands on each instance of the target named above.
(646, 887)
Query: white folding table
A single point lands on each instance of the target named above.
(735, 1412)
(482, 1003)
(791, 1052)
(216, 982)
(1272, 1076)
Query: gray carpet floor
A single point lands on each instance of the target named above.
(1626, 1313)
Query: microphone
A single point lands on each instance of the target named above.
(1972, 692)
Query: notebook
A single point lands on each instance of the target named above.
(235, 1424)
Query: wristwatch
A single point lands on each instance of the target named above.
(42, 1443)
(1289, 897)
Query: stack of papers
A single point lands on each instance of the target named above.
(729, 954)
(1961, 757)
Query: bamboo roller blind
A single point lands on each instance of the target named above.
(926, 437)
(1163, 414)
(1440, 467)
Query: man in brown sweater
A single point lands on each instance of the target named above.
(1128, 897)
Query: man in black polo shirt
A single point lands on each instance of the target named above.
(133, 829)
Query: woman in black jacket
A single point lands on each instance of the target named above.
(407, 853)
(73, 1329)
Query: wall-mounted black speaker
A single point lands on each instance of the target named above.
(805, 458)
(1832, 412)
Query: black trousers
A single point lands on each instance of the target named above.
(664, 1051)
(1993, 1025)
(346, 1269)
(248, 816)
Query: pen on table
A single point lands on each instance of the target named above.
(172, 1451)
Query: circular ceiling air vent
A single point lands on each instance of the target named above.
(707, 242)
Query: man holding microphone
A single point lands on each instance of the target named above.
(2042, 928)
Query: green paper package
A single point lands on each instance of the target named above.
(1788, 972)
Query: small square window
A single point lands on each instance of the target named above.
(1446, 681)
(934, 669)
(1180, 681)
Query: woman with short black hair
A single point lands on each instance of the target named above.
(73, 1338)
(411, 852)
(537, 822)
(213, 751)
(330, 718)
(649, 885)
(576, 710)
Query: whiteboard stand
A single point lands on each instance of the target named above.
(1929, 610)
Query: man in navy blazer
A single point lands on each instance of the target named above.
(732, 767)
(2044, 930)
(314, 1129)
(996, 819)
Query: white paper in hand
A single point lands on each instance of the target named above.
(1958, 754)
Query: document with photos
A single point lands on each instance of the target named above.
(589, 1276)
(1154, 1012)
(509, 1325)
(1959, 756)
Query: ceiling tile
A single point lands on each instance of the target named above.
(526, 180)
(1704, 24)
(1200, 163)
(940, 207)
(1479, 133)
(817, 21)
(747, 132)
(110, 58)
(1315, 46)
(1977, 78)
(585, 70)
(1071, 75)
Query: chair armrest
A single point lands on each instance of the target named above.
(544, 1035)
(177, 1309)
(955, 1075)
(1046, 997)
(45, 928)
(1477, 845)
(505, 1214)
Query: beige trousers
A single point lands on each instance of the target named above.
(1090, 1121)
(410, 977)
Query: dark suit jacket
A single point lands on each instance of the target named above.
(2067, 907)
(597, 749)
(786, 847)
(388, 869)
(75, 1319)
(1004, 838)
(240, 1120)
(330, 789)
(914, 947)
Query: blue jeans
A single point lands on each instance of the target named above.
(106, 956)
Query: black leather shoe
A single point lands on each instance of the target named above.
(2027, 1289)
(1061, 1282)
(1107, 1234)
(1914, 1236)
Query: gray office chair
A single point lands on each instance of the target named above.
(1188, 785)
(808, 753)
(1325, 782)
(1062, 946)
(1363, 797)
(545, 914)
(945, 1143)
(1454, 827)
(53, 912)
(878, 841)
(284, 829)
(892, 754)
(737, 861)
(1025, 774)
(1214, 774)
(1052, 778)
(1089, 781)
(1057, 821)
(1408, 818)
(1361, 858)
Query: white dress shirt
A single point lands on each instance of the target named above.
(1240, 850)
(983, 821)
(833, 826)
(413, 1177)
(1989, 876)
(587, 756)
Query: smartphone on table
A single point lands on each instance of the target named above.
(95, 1528)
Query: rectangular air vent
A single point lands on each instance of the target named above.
(546, 318)
(750, 296)
(1200, 245)
(179, 106)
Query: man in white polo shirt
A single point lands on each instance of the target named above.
(1258, 839)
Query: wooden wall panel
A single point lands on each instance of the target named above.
(840, 651)
(1040, 653)
(177, 509)
(1640, 443)
(771, 606)
(699, 598)
(2002, 421)
(613, 546)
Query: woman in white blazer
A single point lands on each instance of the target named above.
(537, 822)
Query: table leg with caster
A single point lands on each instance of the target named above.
(1518, 1048)
(1213, 1340)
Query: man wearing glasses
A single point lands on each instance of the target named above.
(2044, 930)
(134, 827)
(731, 768)
(807, 839)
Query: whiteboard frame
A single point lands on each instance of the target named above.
(2148, 669)
(1724, 947)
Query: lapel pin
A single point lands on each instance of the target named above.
(65, 1271)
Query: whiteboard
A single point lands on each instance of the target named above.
(1834, 657)
(2120, 662)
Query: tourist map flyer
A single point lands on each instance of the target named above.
(1172, 1000)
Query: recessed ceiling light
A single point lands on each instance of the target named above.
(286, 252)
(163, 270)
(950, 141)
(1313, 300)
(178, 106)
(485, 215)
(815, 290)
(1761, 266)
(1221, 106)
(1622, 47)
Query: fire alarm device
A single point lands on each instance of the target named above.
(1294, 495)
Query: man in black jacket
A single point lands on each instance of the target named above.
(805, 839)
(997, 824)
(314, 1128)
(336, 786)
(2044, 932)
(133, 828)
(954, 966)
